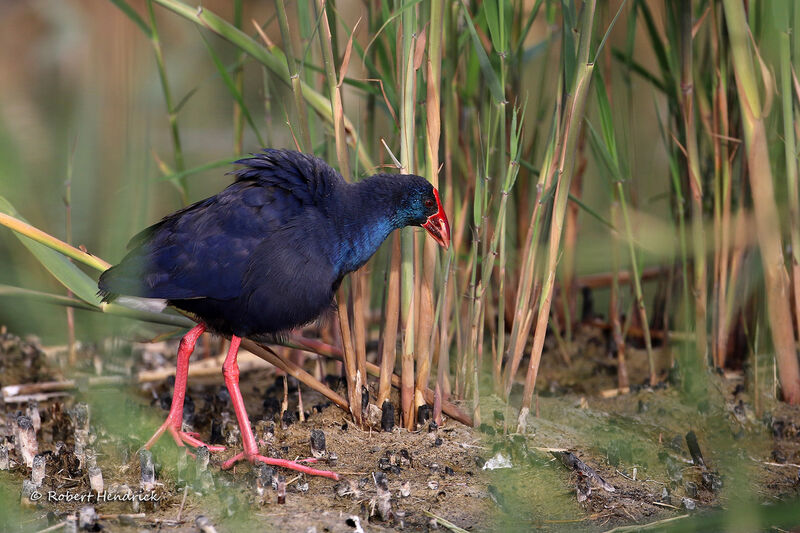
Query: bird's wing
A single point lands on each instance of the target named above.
(290, 281)
(309, 179)
(149, 232)
(202, 251)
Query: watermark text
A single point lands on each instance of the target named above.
(68, 496)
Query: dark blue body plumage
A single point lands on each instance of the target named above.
(267, 253)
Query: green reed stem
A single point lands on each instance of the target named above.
(172, 115)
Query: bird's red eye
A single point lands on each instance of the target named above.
(429, 202)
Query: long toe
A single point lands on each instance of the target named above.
(166, 426)
(294, 465)
(191, 439)
(180, 437)
(285, 463)
(232, 461)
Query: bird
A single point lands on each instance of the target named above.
(263, 256)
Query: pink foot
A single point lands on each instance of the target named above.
(173, 421)
(180, 437)
(285, 463)
(230, 369)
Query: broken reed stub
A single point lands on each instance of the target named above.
(265, 479)
(364, 399)
(26, 440)
(4, 462)
(96, 480)
(91, 458)
(287, 419)
(32, 410)
(80, 416)
(38, 470)
(694, 449)
(203, 480)
(281, 489)
(79, 450)
(148, 470)
(383, 498)
(318, 449)
(387, 416)
(265, 431)
(423, 414)
(203, 457)
(232, 436)
(28, 488)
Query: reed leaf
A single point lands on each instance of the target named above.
(231, 85)
(493, 82)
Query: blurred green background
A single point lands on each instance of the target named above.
(80, 87)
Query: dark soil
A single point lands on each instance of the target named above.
(635, 442)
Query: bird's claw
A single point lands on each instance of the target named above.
(285, 463)
(181, 437)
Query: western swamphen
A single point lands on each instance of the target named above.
(264, 256)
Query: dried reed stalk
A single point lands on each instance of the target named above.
(433, 134)
(389, 352)
(766, 212)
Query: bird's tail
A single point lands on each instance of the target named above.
(153, 305)
(117, 280)
(113, 287)
(104, 288)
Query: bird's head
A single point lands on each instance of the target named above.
(420, 206)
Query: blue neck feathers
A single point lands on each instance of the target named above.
(365, 213)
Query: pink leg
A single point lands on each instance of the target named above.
(230, 369)
(173, 422)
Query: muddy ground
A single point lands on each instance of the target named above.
(635, 466)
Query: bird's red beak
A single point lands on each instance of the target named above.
(437, 224)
